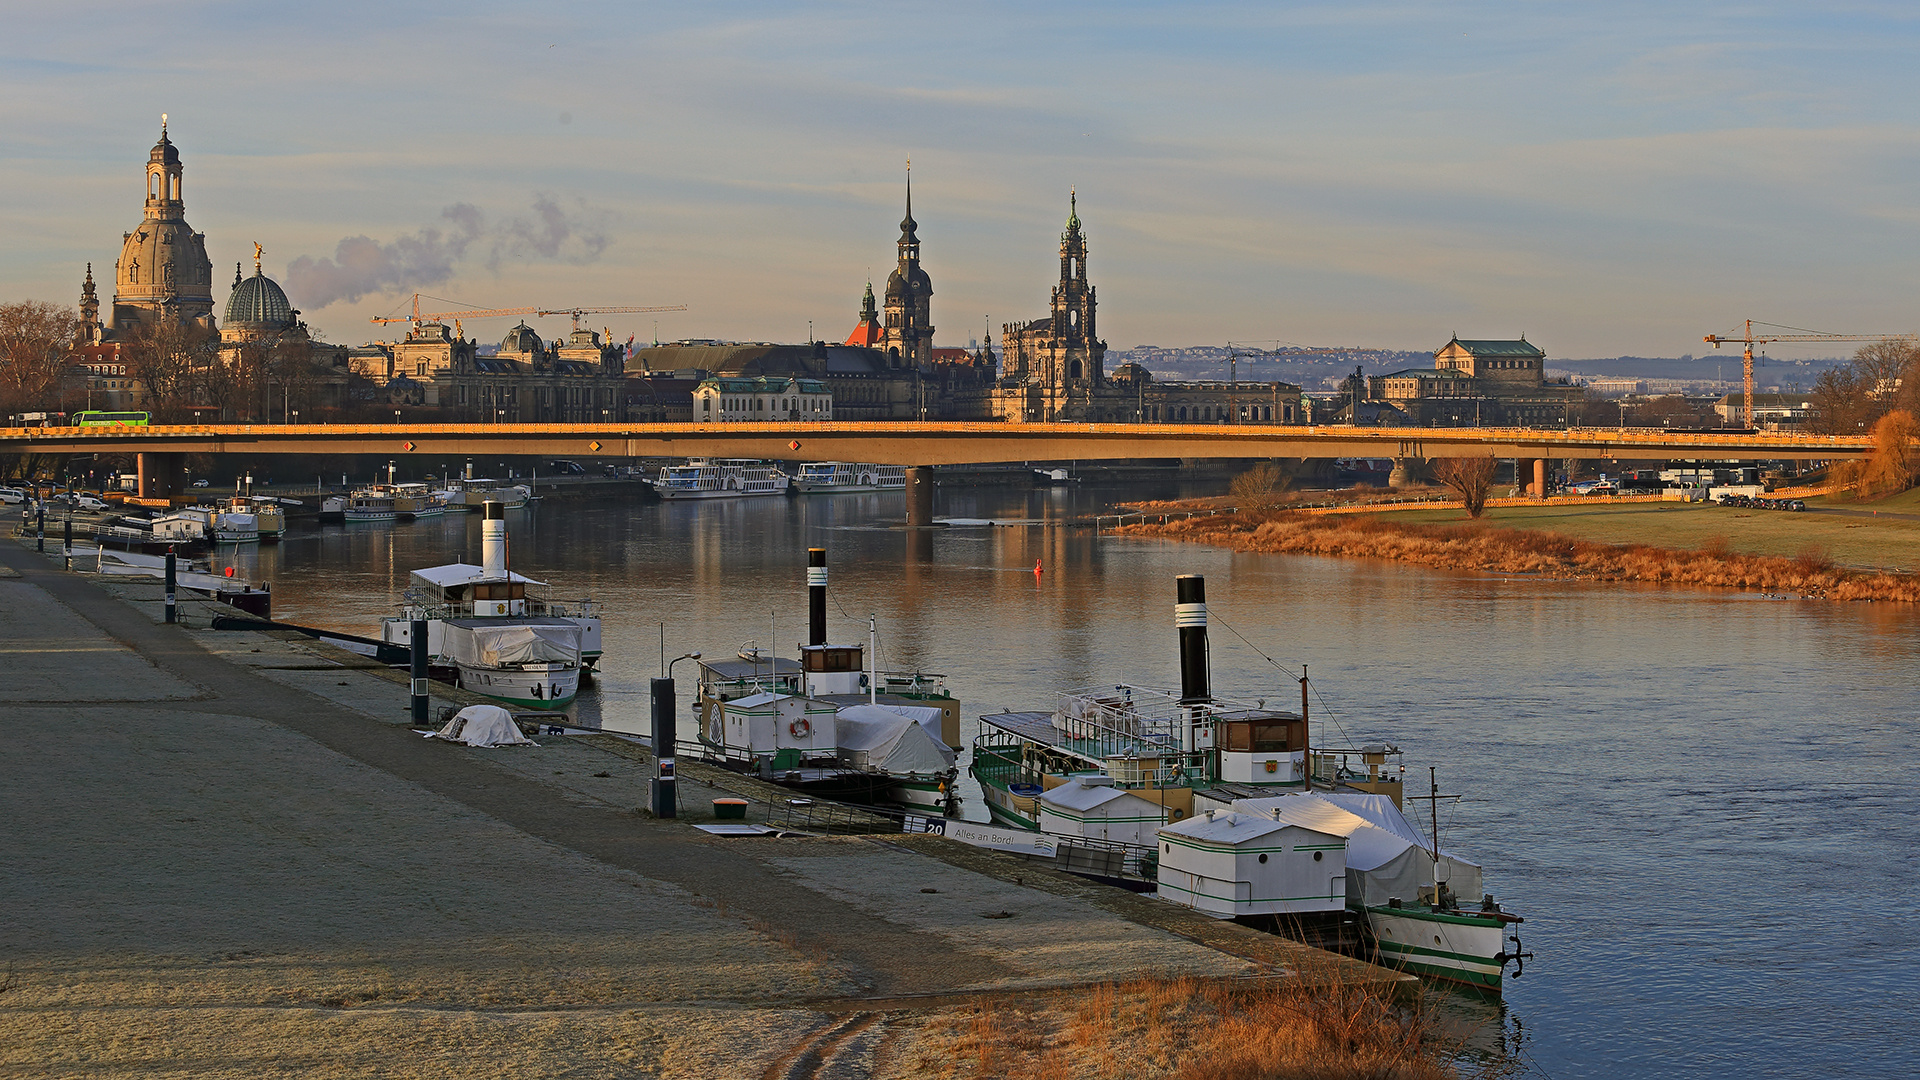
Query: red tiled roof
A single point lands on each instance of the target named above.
(867, 335)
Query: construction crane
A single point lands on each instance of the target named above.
(1746, 360)
(419, 316)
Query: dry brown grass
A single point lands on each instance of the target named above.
(1477, 546)
(1186, 1029)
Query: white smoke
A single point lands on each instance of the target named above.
(361, 265)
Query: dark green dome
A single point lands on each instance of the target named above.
(258, 301)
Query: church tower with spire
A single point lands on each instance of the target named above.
(1058, 363)
(908, 334)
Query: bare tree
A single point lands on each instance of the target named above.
(1882, 364)
(165, 356)
(36, 346)
(1841, 405)
(1471, 477)
(1258, 485)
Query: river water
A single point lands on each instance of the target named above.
(1703, 803)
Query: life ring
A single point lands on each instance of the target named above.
(800, 728)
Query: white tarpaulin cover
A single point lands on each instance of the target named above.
(554, 642)
(881, 739)
(483, 725)
(1386, 856)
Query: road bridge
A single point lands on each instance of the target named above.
(914, 444)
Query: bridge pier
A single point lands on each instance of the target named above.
(159, 474)
(1401, 476)
(1538, 488)
(919, 496)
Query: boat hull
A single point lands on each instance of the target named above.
(683, 493)
(1466, 948)
(533, 687)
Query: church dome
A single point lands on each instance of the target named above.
(163, 151)
(259, 301)
(521, 339)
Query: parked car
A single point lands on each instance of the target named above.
(89, 502)
(12, 496)
(199, 483)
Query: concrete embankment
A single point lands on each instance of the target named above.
(229, 856)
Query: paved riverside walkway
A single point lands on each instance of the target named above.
(226, 855)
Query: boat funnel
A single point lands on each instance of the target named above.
(493, 540)
(1190, 616)
(816, 596)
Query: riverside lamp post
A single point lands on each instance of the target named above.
(666, 801)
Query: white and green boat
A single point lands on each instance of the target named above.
(1235, 812)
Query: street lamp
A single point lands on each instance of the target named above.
(396, 416)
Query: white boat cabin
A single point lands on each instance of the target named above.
(1231, 865)
(782, 726)
(1090, 807)
(466, 589)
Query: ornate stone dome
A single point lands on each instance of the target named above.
(521, 339)
(163, 151)
(258, 301)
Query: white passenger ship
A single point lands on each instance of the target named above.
(720, 478)
(834, 477)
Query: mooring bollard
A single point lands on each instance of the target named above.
(418, 633)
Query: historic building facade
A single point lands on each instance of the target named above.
(1479, 382)
(1054, 368)
(764, 398)
(580, 379)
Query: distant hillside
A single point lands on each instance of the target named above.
(1314, 372)
(1321, 371)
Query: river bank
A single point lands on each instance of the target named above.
(1833, 555)
(229, 856)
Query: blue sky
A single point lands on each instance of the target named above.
(1607, 178)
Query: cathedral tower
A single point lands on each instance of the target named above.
(163, 272)
(908, 340)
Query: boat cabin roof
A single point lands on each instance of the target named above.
(747, 669)
(454, 574)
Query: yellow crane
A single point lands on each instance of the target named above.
(1749, 340)
(419, 316)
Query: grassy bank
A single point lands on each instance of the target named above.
(1855, 556)
(1187, 1029)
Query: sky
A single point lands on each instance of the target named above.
(1606, 178)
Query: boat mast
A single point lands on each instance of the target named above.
(1306, 728)
(873, 673)
(1433, 816)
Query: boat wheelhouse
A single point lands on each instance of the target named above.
(412, 501)
(720, 478)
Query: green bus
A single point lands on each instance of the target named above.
(98, 418)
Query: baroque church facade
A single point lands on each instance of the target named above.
(1053, 369)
